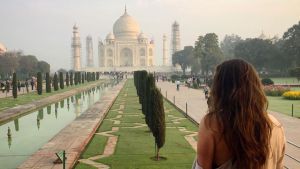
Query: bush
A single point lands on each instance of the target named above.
(292, 95)
(175, 77)
(267, 81)
(273, 90)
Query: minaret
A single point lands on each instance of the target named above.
(89, 52)
(165, 59)
(76, 49)
(175, 41)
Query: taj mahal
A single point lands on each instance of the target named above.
(126, 48)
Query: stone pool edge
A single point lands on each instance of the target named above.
(75, 136)
(11, 113)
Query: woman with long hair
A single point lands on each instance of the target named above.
(237, 132)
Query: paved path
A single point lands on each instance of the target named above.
(74, 137)
(197, 108)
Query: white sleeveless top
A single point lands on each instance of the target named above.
(277, 142)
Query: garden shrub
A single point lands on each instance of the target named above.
(273, 90)
(267, 81)
(292, 95)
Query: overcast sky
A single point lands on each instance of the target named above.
(44, 27)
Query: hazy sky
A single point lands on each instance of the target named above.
(44, 27)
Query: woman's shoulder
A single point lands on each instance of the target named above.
(275, 121)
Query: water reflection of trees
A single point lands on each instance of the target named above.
(16, 122)
(56, 107)
(49, 109)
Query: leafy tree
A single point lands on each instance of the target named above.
(295, 73)
(8, 64)
(14, 86)
(55, 82)
(62, 70)
(184, 58)
(158, 120)
(27, 65)
(48, 83)
(61, 80)
(67, 79)
(291, 44)
(258, 52)
(208, 50)
(39, 83)
(228, 45)
(43, 67)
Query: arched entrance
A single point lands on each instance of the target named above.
(126, 57)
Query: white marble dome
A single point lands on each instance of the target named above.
(142, 36)
(126, 27)
(110, 36)
(2, 48)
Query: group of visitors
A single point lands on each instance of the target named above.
(6, 86)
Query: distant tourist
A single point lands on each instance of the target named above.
(19, 85)
(32, 83)
(27, 85)
(177, 85)
(237, 132)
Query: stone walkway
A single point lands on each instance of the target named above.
(74, 138)
(112, 142)
(197, 108)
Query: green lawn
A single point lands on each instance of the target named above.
(285, 80)
(279, 104)
(10, 102)
(135, 146)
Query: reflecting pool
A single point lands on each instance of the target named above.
(32, 131)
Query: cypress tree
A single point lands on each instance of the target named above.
(55, 82)
(79, 77)
(94, 76)
(85, 75)
(75, 78)
(147, 107)
(71, 79)
(67, 79)
(142, 86)
(97, 76)
(61, 80)
(48, 85)
(158, 120)
(14, 86)
(82, 78)
(39, 83)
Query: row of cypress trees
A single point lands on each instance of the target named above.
(58, 82)
(152, 106)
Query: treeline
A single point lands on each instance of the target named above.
(270, 56)
(24, 65)
(152, 106)
(55, 82)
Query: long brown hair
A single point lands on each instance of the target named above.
(239, 105)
